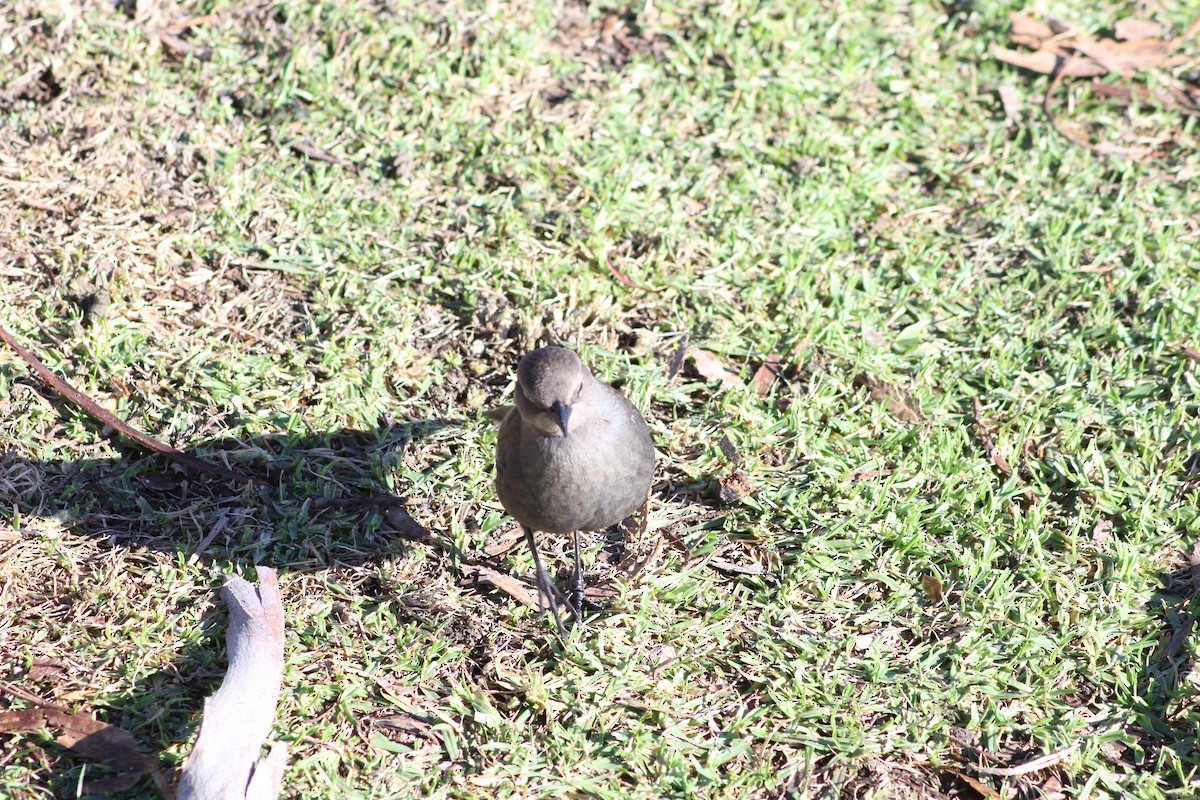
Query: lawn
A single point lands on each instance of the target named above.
(920, 362)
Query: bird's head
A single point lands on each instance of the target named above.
(550, 381)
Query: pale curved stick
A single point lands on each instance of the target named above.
(224, 764)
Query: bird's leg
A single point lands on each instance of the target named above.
(577, 583)
(547, 591)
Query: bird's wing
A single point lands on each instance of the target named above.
(508, 443)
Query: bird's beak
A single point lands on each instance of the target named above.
(563, 412)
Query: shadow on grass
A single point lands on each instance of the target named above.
(325, 505)
(1160, 693)
(313, 508)
(1165, 705)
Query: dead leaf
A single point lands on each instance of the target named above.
(902, 405)
(1125, 58)
(693, 205)
(27, 720)
(505, 583)
(984, 433)
(176, 214)
(505, 544)
(179, 47)
(404, 524)
(734, 568)
(160, 483)
(49, 209)
(597, 593)
(1028, 31)
(310, 150)
(1102, 530)
(192, 22)
(406, 729)
(711, 368)
(1132, 28)
(1061, 27)
(1035, 765)
(983, 789)
(1069, 53)
(1072, 135)
(729, 450)
(1010, 100)
(867, 475)
(676, 362)
(1180, 636)
(43, 668)
(1136, 48)
(1050, 788)
(1169, 97)
(933, 589)
(92, 739)
(735, 487)
(632, 567)
(875, 338)
(1048, 63)
(1096, 269)
(766, 375)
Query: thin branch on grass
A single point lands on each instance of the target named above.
(310, 150)
(99, 413)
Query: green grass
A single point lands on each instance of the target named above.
(836, 185)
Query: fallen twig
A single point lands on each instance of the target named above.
(306, 148)
(99, 413)
(505, 583)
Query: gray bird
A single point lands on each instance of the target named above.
(573, 455)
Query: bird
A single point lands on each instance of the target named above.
(572, 455)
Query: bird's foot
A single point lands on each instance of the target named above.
(577, 584)
(549, 597)
(548, 593)
(576, 597)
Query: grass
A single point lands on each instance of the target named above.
(839, 186)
